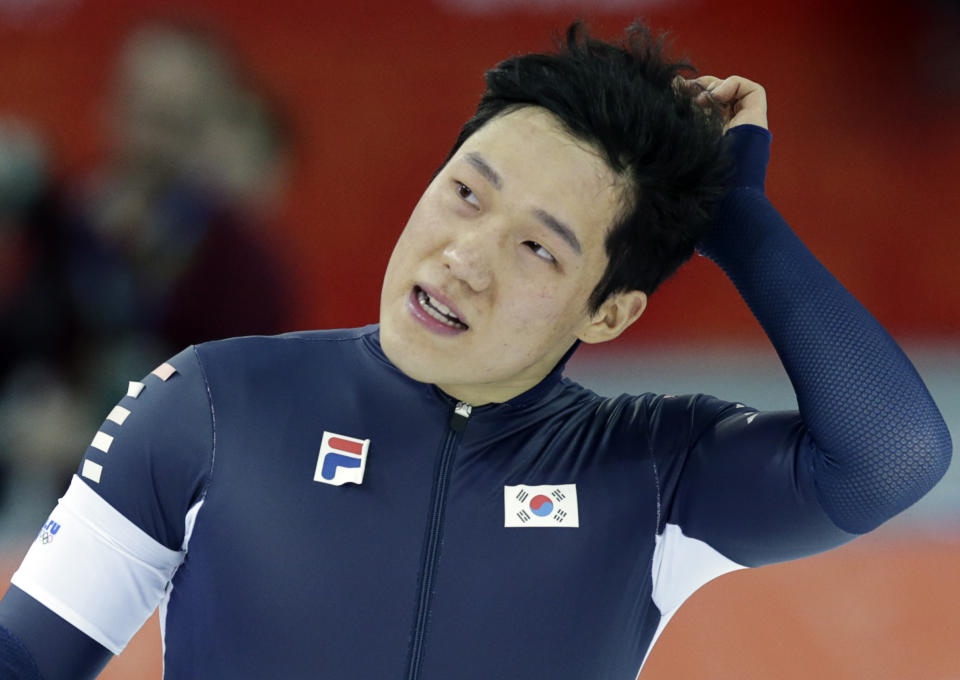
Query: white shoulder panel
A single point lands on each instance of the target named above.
(680, 566)
(188, 524)
(96, 569)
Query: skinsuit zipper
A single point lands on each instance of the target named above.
(458, 422)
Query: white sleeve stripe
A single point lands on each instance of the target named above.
(75, 518)
(123, 534)
(96, 569)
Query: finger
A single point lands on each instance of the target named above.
(692, 87)
(733, 89)
(699, 87)
(746, 100)
(705, 81)
(701, 83)
(710, 84)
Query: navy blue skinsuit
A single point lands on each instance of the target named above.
(412, 573)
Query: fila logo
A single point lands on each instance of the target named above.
(342, 459)
(548, 505)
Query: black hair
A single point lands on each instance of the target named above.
(628, 102)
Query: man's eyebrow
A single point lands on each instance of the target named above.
(559, 228)
(551, 222)
(491, 175)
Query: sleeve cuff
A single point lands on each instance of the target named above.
(750, 147)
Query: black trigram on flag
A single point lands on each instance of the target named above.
(541, 505)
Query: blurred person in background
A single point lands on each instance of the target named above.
(42, 404)
(428, 497)
(160, 245)
(165, 243)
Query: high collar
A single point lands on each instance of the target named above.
(530, 396)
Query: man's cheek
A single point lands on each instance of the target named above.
(537, 310)
(548, 303)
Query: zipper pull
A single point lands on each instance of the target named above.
(458, 421)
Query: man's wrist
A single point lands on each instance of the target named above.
(750, 151)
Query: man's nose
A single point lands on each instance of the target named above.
(469, 258)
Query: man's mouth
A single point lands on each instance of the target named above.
(438, 310)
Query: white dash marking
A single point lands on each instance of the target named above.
(118, 415)
(102, 441)
(164, 371)
(751, 417)
(134, 389)
(92, 471)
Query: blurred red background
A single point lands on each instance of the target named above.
(876, 609)
(866, 122)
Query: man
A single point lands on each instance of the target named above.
(429, 498)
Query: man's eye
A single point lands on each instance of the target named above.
(466, 193)
(540, 251)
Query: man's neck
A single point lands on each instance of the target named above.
(480, 395)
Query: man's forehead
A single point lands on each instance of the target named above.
(524, 120)
(562, 179)
(529, 133)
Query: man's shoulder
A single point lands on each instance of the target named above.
(288, 340)
(288, 351)
(292, 342)
(668, 412)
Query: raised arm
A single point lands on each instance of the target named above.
(877, 441)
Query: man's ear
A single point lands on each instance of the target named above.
(614, 316)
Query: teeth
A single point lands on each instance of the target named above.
(440, 307)
(438, 311)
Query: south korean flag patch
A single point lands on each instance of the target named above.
(548, 505)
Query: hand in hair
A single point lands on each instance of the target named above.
(742, 101)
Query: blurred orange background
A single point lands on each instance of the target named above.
(876, 609)
(865, 111)
(865, 115)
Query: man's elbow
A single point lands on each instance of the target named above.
(924, 461)
(881, 481)
(938, 452)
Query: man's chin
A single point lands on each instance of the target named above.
(408, 353)
(425, 371)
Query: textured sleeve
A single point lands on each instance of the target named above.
(873, 440)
